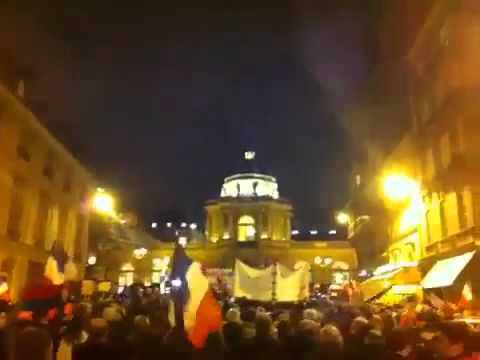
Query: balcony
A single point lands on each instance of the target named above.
(467, 238)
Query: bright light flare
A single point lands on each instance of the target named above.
(399, 187)
(103, 203)
(343, 218)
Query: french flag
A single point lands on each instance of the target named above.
(45, 293)
(202, 312)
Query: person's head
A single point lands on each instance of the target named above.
(263, 325)
(376, 322)
(214, 343)
(232, 333)
(98, 330)
(284, 329)
(248, 315)
(358, 326)
(330, 335)
(310, 314)
(3, 320)
(74, 328)
(141, 324)
(398, 342)
(233, 315)
(33, 343)
(451, 338)
(307, 328)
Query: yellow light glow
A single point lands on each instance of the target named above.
(413, 215)
(182, 241)
(399, 187)
(92, 260)
(264, 236)
(317, 260)
(103, 203)
(343, 218)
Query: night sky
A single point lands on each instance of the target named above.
(161, 101)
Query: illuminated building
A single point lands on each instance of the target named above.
(252, 222)
(436, 226)
(44, 194)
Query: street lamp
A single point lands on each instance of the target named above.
(140, 253)
(343, 218)
(103, 203)
(399, 187)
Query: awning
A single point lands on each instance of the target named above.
(379, 284)
(445, 272)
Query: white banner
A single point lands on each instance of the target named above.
(292, 286)
(251, 283)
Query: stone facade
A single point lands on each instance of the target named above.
(43, 195)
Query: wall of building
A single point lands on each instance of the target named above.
(43, 192)
(272, 218)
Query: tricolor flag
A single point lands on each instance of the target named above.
(202, 312)
(45, 293)
(467, 295)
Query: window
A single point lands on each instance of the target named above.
(78, 241)
(48, 169)
(25, 140)
(428, 224)
(462, 211)
(445, 151)
(443, 219)
(41, 220)
(246, 228)
(226, 221)
(429, 164)
(67, 184)
(17, 208)
(358, 180)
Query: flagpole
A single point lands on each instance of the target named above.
(178, 297)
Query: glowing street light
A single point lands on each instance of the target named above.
(169, 224)
(140, 253)
(193, 226)
(313, 232)
(182, 241)
(343, 218)
(183, 225)
(103, 203)
(92, 260)
(295, 232)
(398, 187)
(332, 232)
(154, 225)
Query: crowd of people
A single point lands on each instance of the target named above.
(142, 328)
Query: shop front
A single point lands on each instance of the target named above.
(448, 276)
(390, 284)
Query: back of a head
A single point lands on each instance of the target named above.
(141, 323)
(248, 315)
(232, 332)
(33, 343)
(310, 314)
(330, 335)
(233, 315)
(359, 325)
(263, 325)
(284, 330)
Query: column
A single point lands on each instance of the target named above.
(6, 185)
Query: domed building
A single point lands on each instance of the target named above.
(251, 222)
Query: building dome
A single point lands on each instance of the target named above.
(250, 183)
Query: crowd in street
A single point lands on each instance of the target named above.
(141, 328)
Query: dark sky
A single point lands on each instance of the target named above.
(162, 100)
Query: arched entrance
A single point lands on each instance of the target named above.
(246, 228)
